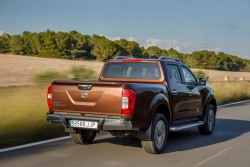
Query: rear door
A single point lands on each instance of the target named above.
(180, 96)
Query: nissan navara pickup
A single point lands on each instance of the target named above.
(145, 98)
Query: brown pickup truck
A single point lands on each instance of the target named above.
(146, 98)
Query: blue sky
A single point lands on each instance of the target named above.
(186, 25)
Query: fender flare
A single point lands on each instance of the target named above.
(159, 99)
(208, 99)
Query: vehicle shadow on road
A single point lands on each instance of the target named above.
(226, 129)
(123, 141)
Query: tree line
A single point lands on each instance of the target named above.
(77, 46)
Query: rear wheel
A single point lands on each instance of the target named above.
(83, 137)
(159, 135)
(209, 121)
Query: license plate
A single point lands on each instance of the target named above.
(83, 124)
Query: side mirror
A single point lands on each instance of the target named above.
(202, 81)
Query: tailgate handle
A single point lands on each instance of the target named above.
(84, 87)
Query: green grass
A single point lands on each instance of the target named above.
(228, 92)
(23, 117)
(23, 111)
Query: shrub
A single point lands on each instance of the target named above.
(81, 73)
(200, 74)
(47, 76)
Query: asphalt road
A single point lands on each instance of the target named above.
(228, 146)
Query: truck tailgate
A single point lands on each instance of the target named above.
(87, 97)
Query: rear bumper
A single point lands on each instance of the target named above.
(104, 123)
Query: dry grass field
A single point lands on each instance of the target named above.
(214, 75)
(18, 70)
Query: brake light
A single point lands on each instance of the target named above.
(128, 101)
(49, 97)
(131, 60)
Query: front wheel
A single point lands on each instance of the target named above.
(159, 135)
(209, 121)
(83, 137)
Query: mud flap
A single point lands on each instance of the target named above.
(145, 135)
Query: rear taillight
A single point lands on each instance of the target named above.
(49, 97)
(128, 101)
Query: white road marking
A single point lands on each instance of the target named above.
(67, 137)
(224, 105)
(211, 157)
(33, 144)
(216, 155)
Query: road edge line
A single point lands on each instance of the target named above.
(67, 137)
(229, 104)
(34, 144)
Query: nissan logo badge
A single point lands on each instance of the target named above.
(84, 95)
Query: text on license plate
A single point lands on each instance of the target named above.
(83, 124)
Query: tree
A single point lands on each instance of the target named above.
(27, 38)
(174, 53)
(48, 47)
(131, 47)
(74, 45)
(17, 45)
(164, 52)
(154, 51)
(63, 42)
(104, 49)
(5, 43)
(80, 45)
(247, 68)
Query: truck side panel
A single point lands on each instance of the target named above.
(145, 93)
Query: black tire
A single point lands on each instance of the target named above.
(83, 137)
(159, 135)
(209, 121)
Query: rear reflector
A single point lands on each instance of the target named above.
(128, 101)
(49, 97)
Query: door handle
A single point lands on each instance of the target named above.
(190, 93)
(174, 92)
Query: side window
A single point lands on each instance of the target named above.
(189, 79)
(174, 73)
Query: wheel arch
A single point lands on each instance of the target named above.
(163, 109)
(210, 99)
(214, 103)
(160, 104)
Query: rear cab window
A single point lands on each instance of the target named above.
(130, 70)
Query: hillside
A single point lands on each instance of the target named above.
(18, 70)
